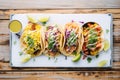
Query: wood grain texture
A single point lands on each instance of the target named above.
(60, 75)
(4, 14)
(42, 4)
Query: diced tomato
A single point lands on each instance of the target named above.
(98, 28)
(33, 27)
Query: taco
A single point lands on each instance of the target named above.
(93, 38)
(73, 39)
(53, 40)
(31, 40)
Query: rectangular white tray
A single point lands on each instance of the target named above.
(104, 20)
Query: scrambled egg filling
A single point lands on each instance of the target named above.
(31, 40)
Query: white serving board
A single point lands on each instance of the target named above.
(104, 20)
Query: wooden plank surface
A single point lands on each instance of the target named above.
(42, 4)
(61, 75)
(4, 34)
(8, 73)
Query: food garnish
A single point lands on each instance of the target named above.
(106, 45)
(26, 58)
(89, 59)
(44, 19)
(76, 58)
(102, 63)
(31, 19)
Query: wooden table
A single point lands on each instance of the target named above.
(8, 7)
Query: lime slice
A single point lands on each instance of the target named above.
(15, 26)
(26, 58)
(31, 19)
(102, 63)
(106, 45)
(44, 19)
(76, 58)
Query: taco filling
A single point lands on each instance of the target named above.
(31, 40)
(52, 37)
(92, 33)
(71, 38)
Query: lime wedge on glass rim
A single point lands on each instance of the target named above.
(44, 19)
(102, 63)
(26, 58)
(31, 19)
(106, 45)
(76, 58)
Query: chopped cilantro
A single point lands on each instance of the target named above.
(97, 56)
(89, 59)
(30, 41)
(51, 43)
(107, 30)
(92, 39)
(20, 53)
(44, 23)
(49, 58)
(74, 53)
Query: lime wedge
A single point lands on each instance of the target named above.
(44, 19)
(106, 45)
(76, 58)
(102, 63)
(31, 19)
(26, 58)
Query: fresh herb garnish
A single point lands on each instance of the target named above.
(51, 43)
(49, 58)
(92, 39)
(20, 53)
(107, 30)
(89, 59)
(90, 46)
(72, 38)
(44, 23)
(30, 41)
(74, 53)
(97, 56)
(15, 42)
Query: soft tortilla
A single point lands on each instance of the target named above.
(80, 41)
(46, 52)
(23, 45)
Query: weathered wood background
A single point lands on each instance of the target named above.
(8, 7)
